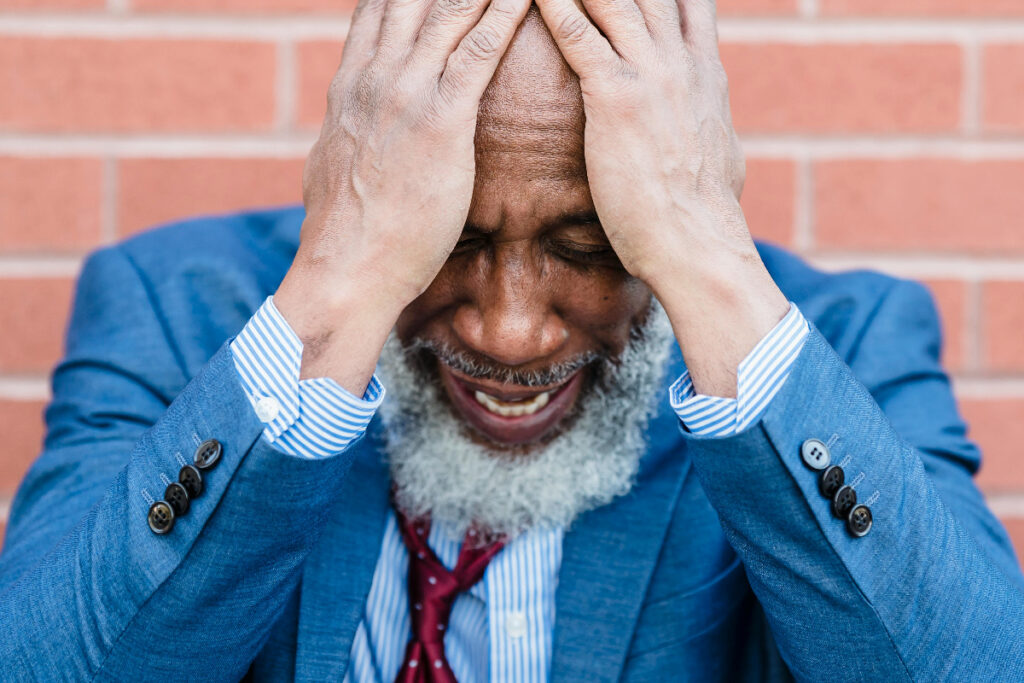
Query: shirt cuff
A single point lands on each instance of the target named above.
(311, 418)
(758, 378)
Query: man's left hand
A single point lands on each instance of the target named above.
(666, 171)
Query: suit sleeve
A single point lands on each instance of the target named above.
(932, 591)
(87, 589)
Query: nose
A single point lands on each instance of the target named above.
(511, 319)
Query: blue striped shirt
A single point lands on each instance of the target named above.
(502, 628)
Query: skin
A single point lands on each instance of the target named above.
(515, 186)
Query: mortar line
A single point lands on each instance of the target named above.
(108, 225)
(974, 335)
(285, 87)
(803, 237)
(971, 91)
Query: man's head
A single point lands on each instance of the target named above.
(520, 334)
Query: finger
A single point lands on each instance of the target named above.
(701, 28)
(470, 67)
(401, 22)
(446, 25)
(664, 22)
(622, 22)
(587, 51)
(363, 33)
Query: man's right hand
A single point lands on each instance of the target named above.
(387, 186)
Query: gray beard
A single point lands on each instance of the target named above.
(437, 468)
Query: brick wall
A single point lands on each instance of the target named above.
(881, 133)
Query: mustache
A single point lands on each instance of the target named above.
(476, 367)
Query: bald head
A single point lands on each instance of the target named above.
(531, 115)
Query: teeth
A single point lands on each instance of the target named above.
(526, 407)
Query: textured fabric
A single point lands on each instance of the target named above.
(723, 562)
(268, 355)
(433, 588)
(311, 418)
(518, 590)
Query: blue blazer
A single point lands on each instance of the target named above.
(723, 563)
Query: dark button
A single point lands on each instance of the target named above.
(177, 497)
(161, 517)
(208, 454)
(192, 480)
(815, 454)
(831, 480)
(859, 521)
(843, 501)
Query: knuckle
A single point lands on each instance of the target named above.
(573, 29)
(482, 43)
(455, 8)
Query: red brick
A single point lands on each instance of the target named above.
(246, 6)
(50, 203)
(34, 312)
(858, 88)
(768, 199)
(77, 84)
(997, 425)
(153, 191)
(317, 64)
(1003, 98)
(951, 299)
(22, 425)
(756, 7)
(927, 8)
(1003, 327)
(920, 205)
(1015, 526)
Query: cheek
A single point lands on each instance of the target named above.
(603, 304)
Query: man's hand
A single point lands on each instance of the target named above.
(387, 187)
(666, 170)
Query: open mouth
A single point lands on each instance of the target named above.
(509, 414)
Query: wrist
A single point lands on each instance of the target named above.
(341, 320)
(720, 308)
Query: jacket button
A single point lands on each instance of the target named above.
(192, 480)
(177, 498)
(815, 454)
(208, 454)
(859, 521)
(843, 501)
(831, 480)
(161, 517)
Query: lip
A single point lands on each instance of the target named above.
(510, 431)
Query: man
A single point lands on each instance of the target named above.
(528, 248)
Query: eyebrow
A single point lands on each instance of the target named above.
(581, 218)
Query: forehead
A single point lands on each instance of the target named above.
(530, 122)
(529, 138)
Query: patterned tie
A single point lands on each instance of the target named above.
(432, 590)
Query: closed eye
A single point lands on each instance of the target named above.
(587, 254)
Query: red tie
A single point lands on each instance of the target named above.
(432, 590)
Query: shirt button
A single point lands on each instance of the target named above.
(831, 480)
(859, 521)
(160, 517)
(815, 454)
(515, 625)
(208, 454)
(192, 480)
(843, 501)
(267, 409)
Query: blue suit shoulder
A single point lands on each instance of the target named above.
(842, 304)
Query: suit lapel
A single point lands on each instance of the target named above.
(339, 571)
(608, 558)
